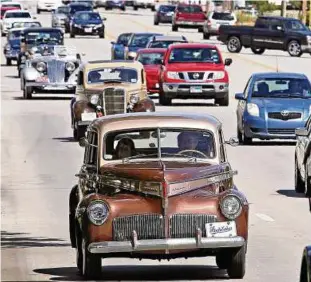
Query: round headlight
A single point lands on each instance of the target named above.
(97, 212)
(231, 207)
(94, 99)
(41, 66)
(8, 48)
(70, 66)
(134, 99)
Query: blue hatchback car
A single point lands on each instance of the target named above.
(272, 106)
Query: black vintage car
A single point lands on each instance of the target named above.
(32, 37)
(276, 33)
(73, 8)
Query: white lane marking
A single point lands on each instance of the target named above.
(264, 217)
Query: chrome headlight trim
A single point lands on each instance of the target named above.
(94, 99)
(97, 212)
(70, 66)
(134, 98)
(41, 66)
(231, 206)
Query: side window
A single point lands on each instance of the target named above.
(221, 148)
(276, 25)
(80, 78)
(262, 23)
(91, 150)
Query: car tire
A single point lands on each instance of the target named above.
(294, 48)
(27, 92)
(174, 27)
(239, 135)
(73, 202)
(164, 101)
(236, 268)
(200, 29)
(156, 22)
(304, 271)
(102, 35)
(299, 183)
(246, 140)
(135, 8)
(72, 35)
(206, 35)
(307, 184)
(258, 51)
(38, 11)
(234, 44)
(91, 264)
(79, 132)
(8, 62)
(223, 101)
(222, 260)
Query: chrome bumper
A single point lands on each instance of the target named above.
(165, 244)
(189, 23)
(51, 86)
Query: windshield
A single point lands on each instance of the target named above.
(15, 34)
(43, 50)
(150, 58)
(43, 37)
(81, 8)
(175, 143)
(223, 16)
(26, 24)
(140, 40)
(4, 5)
(119, 74)
(124, 38)
(296, 26)
(189, 9)
(282, 87)
(166, 9)
(194, 55)
(17, 15)
(162, 44)
(88, 17)
(62, 10)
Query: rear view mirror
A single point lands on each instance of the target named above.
(228, 62)
(301, 132)
(239, 96)
(83, 142)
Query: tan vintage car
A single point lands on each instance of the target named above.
(108, 88)
(162, 195)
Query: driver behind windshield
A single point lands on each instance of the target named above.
(94, 77)
(188, 140)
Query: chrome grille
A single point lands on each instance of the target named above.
(282, 131)
(56, 71)
(196, 75)
(278, 115)
(114, 101)
(147, 226)
(185, 225)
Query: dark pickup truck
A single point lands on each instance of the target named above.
(276, 33)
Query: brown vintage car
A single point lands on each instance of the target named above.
(167, 193)
(108, 88)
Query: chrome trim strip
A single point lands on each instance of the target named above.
(165, 244)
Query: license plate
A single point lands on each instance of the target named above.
(196, 89)
(88, 116)
(42, 79)
(221, 229)
(88, 29)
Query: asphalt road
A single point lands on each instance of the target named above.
(39, 161)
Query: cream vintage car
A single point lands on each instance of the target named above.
(108, 88)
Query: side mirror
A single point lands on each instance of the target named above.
(239, 96)
(228, 62)
(301, 132)
(34, 18)
(112, 42)
(104, 19)
(82, 142)
(233, 141)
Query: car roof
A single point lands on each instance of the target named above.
(6, 4)
(152, 50)
(115, 63)
(16, 29)
(34, 29)
(88, 12)
(192, 45)
(167, 5)
(168, 38)
(186, 4)
(277, 18)
(78, 4)
(156, 119)
(279, 75)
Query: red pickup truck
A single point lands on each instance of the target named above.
(188, 16)
(194, 71)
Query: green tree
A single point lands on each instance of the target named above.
(296, 4)
(262, 6)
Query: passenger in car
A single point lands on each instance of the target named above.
(125, 148)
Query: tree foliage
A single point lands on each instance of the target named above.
(263, 6)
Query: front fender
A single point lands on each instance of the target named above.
(82, 106)
(30, 74)
(145, 105)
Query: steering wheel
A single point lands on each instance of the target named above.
(193, 151)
